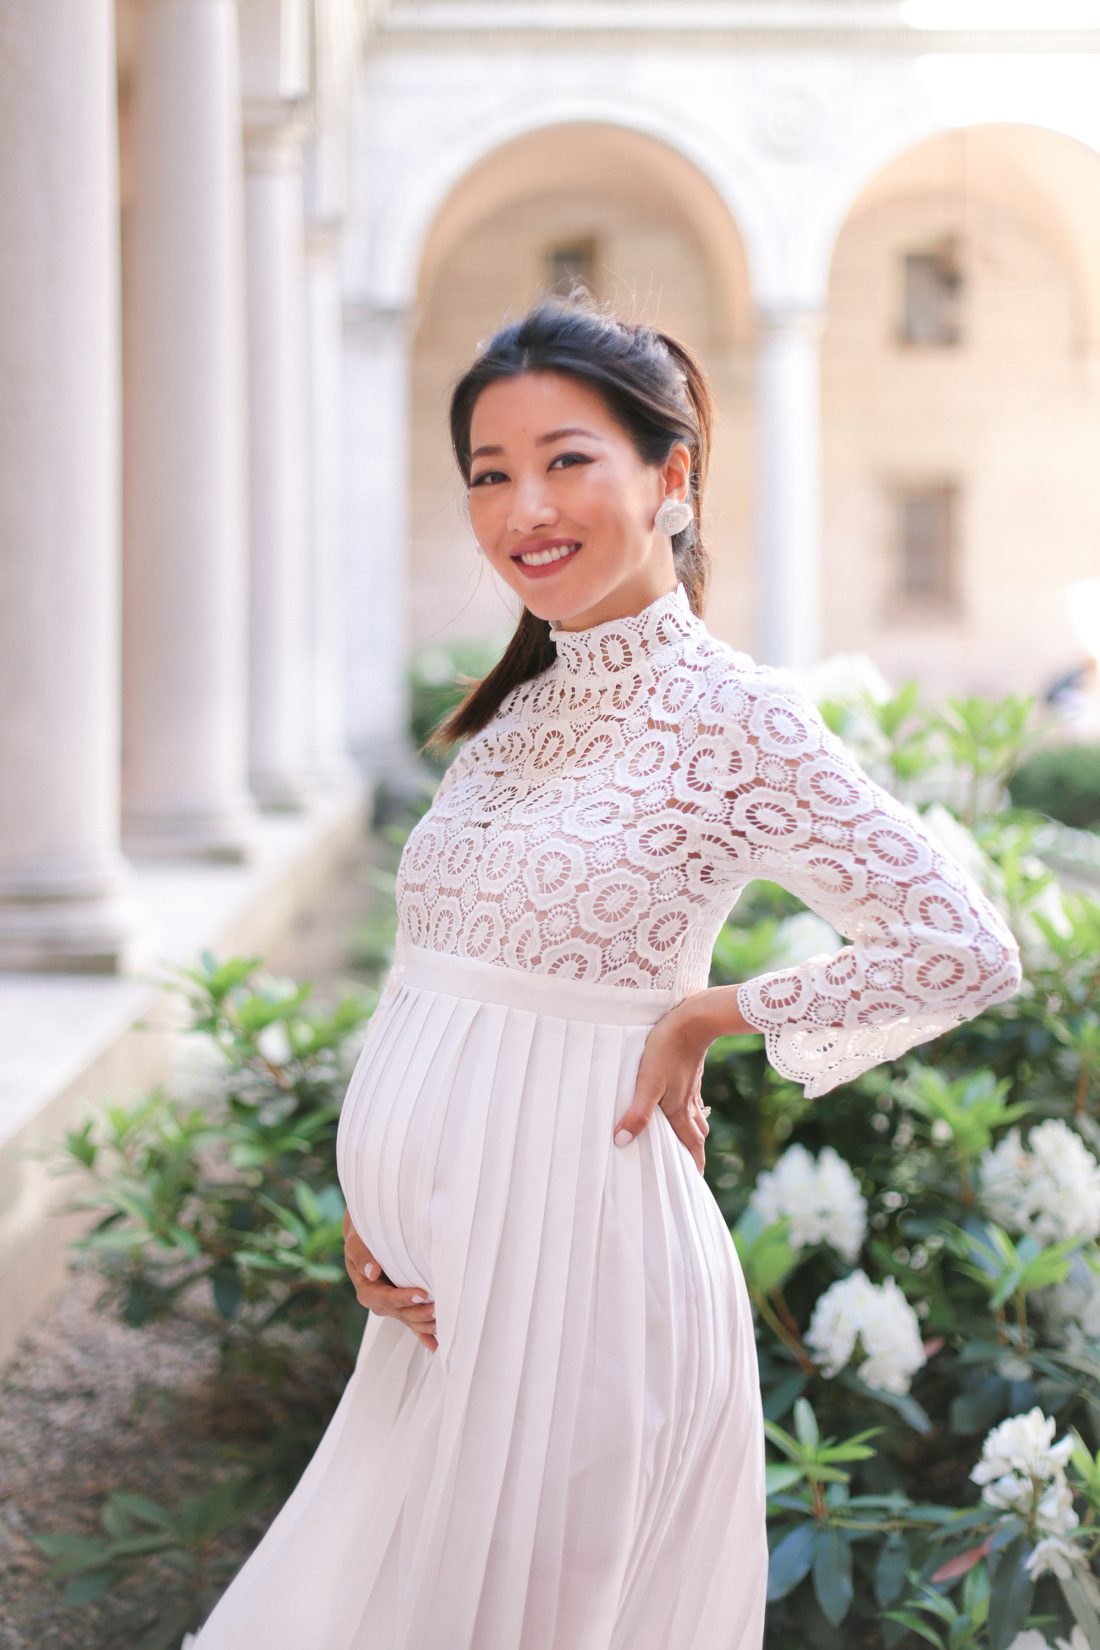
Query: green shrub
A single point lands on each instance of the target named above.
(1062, 781)
(234, 1200)
(435, 680)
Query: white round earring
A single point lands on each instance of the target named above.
(673, 515)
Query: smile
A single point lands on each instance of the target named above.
(543, 558)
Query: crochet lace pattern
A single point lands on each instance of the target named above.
(605, 822)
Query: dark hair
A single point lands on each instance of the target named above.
(654, 388)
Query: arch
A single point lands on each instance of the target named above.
(1077, 231)
(402, 231)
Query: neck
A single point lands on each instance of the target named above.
(635, 606)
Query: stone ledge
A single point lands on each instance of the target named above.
(69, 1041)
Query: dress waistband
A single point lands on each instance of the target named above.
(599, 1001)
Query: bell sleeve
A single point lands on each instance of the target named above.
(928, 950)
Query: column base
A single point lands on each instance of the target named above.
(222, 835)
(337, 772)
(283, 792)
(60, 934)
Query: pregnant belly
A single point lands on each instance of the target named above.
(387, 1142)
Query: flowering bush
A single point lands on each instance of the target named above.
(875, 1315)
(922, 1250)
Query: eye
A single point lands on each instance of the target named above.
(477, 481)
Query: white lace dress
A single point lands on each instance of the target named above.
(580, 1465)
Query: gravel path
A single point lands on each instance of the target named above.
(88, 1406)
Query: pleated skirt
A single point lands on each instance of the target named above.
(580, 1463)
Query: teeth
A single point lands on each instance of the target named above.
(538, 558)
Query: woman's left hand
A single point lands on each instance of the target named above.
(670, 1076)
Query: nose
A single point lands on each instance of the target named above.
(530, 508)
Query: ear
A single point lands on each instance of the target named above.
(676, 472)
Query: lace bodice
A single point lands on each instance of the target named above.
(604, 823)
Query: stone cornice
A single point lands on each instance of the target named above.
(850, 25)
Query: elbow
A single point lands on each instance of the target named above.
(1007, 976)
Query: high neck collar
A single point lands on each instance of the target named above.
(606, 649)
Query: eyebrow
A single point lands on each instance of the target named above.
(541, 440)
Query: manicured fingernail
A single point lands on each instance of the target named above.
(372, 1270)
(419, 1300)
(623, 1138)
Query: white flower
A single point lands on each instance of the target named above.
(880, 1318)
(822, 1197)
(1022, 1470)
(1049, 1188)
(1055, 1515)
(1048, 903)
(1032, 1639)
(844, 677)
(274, 1044)
(1023, 1443)
(1071, 1309)
(963, 846)
(275, 986)
(1052, 1556)
(800, 937)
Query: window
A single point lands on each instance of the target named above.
(932, 286)
(925, 549)
(571, 261)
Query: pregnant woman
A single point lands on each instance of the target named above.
(552, 1437)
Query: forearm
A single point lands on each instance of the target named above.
(713, 1013)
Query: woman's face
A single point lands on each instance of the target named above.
(550, 464)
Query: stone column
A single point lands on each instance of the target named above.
(184, 761)
(330, 759)
(377, 405)
(280, 767)
(789, 505)
(62, 880)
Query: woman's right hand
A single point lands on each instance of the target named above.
(374, 1290)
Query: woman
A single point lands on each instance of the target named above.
(552, 1437)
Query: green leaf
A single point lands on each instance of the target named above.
(1084, 1611)
(891, 1568)
(141, 1506)
(87, 1588)
(805, 1424)
(791, 1560)
(779, 1478)
(781, 1394)
(1011, 1594)
(916, 1624)
(833, 1573)
(228, 1290)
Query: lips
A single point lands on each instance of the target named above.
(541, 543)
(555, 562)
